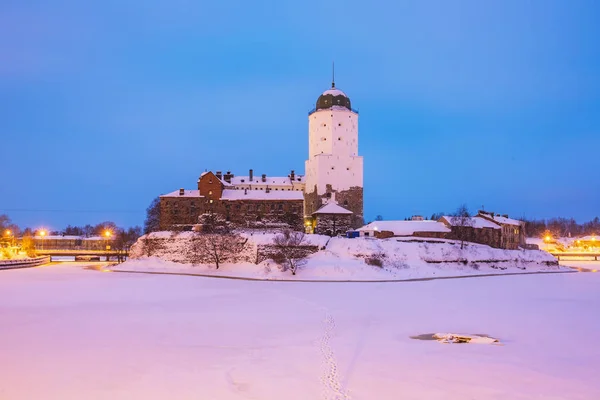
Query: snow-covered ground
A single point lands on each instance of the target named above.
(344, 259)
(70, 333)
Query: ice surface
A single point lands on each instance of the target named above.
(69, 333)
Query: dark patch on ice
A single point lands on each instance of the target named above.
(431, 336)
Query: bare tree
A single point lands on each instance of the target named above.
(217, 248)
(152, 222)
(291, 250)
(462, 223)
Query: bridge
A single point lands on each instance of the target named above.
(566, 254)
(82, 252)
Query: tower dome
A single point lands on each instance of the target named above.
(333, 97)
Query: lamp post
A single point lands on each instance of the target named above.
(107, 235)
(42, 234)
(8, 233)
(547, 240)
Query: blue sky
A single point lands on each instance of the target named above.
(105, 105)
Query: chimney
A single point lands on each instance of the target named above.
(181, 192)
(228, 177)
(292, 175)
(264, 177)
(219, 174)
(505, 215)
(251, 175)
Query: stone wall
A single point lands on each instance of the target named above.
(184, 211)
(333, 224)
(489, 236)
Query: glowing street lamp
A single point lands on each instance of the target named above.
(107, 235)
(42, 234)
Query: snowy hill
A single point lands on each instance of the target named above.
(345, 259)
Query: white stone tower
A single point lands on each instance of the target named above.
(333, 164)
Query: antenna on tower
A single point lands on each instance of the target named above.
(333, 74)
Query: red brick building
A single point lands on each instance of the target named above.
(243, 201)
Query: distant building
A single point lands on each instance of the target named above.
(513, 230)
(420, 228)
(70, 242)
(476, 230)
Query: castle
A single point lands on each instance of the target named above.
(328, 199)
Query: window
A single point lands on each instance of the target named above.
(280, 206)
(340, 124)
(210, 181)
(210, 201)
(347, 168)
(272, 207)
(210, 192)
(332, 168)
(339, 138)
(345, 202)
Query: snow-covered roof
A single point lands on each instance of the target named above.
(95, 238)
(506, 221)
(334, 92)
(405, 228)
(476, 222)
(242, 194)
(332, 208)
(270, 180)
(186, 193)
(58, 237)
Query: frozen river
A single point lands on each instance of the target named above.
(72, 333)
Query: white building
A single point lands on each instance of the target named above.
(333, 164)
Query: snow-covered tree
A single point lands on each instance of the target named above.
(291, 250)
(217, 248)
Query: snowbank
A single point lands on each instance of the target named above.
(346, 259)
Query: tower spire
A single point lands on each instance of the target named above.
(333, 74)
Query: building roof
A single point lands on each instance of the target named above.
(332, 208)
(506, 221)
(333, 97)
(242, 194)
(270, 180)
(186, 193)
(476, 222)
(406, 228)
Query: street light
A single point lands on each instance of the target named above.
(107, 235)
(42, 234)
(8, 233)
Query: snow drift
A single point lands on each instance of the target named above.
(341, 258)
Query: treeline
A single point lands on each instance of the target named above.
(561, 227)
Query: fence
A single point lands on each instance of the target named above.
(24, 263)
